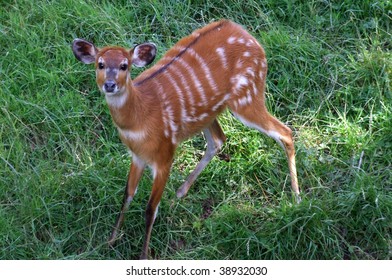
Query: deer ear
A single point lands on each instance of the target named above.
(84, 51)
(143, 54)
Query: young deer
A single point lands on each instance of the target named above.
(216, 67)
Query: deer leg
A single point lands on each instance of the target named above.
(161, 174)
(215, 139)
(136, 170)
(257, 117)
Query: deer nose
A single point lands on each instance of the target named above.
(109, 86)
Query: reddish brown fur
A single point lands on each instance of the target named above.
(217, 66)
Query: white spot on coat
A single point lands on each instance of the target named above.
(241, 81)
(222, 55)
(221, 102)
(132, 135)
(250, 43)
(241, 40)
(231, 40)
(242, 101)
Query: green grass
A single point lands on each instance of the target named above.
(63, 168)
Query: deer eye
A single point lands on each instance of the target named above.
(100, 65)
(123, 67)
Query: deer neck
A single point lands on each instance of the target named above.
(128, 108)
